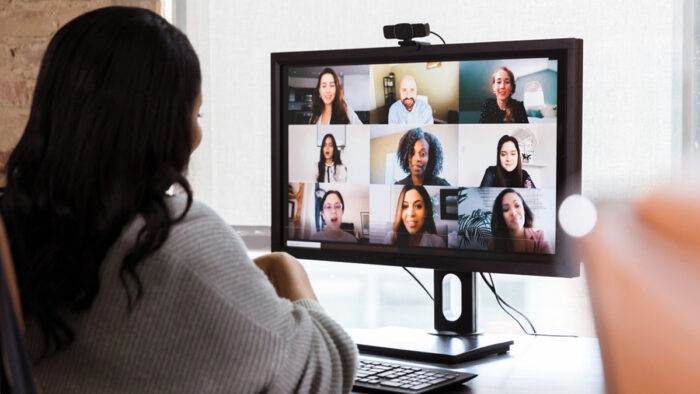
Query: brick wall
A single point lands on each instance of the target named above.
(26, 26)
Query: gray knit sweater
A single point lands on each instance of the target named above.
(209, 322)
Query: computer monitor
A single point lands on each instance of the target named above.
(449, 157)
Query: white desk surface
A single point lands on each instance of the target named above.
(534, 365)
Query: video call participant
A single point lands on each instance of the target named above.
(329, 106)
(512, 224)
(413, 222)
(127, 289)
(508, 171)
(332, 208)
(504, 108)
(420, 154)
(409, 110)
(330, 169)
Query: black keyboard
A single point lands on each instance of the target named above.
(393, 377)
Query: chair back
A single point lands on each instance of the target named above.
(17, 375)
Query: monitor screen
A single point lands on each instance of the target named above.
(451, 157)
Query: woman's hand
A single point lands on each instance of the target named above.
(287, 276)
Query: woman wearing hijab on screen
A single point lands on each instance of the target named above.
(504, 108)
(508, 171)
(329, 105)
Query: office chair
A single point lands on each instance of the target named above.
(16, 375)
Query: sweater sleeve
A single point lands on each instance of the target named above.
(295, 346)
(208, 321)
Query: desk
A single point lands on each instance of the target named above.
(535, 365)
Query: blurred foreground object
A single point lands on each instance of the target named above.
(643, 265)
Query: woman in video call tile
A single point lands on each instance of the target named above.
(332, 208)
(330, 169)
(504, 108)
(420, 154)
(413, 223)
(329, 106)
(512, 226)
(508, 171)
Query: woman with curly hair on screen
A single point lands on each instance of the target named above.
(420, 155)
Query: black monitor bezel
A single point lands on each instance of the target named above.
(569, 52)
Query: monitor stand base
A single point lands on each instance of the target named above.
(452, 341)
(421, 345)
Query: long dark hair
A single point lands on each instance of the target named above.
(110, 130)
(405, 152)
(340, 108)
(499, 229)
(322, 159)
(502, 173)
(401, 234)
(510, 103)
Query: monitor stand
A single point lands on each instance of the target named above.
(452, 341)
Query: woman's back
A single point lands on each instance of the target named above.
(208, 321)
(124, 288)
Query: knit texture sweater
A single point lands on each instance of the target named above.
(209, 322)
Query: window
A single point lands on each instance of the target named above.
(635, 126)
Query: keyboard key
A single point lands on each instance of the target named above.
(393, 377)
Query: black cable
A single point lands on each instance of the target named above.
(419, 282)
(443, 41)
(492, 287)
(500, 299)
(501, 302)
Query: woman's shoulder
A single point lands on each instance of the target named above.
(201, 238)
(534, 234)
(405, 181)
(489, 177)
(389, 237)
(349, 238)
(437, 181)
(433, 240)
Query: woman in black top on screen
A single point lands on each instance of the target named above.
(504, 108)
(420, 154)
(508, 171)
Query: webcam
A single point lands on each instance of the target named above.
(406, 32)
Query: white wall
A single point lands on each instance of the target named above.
(357, 91)
(627, 85)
